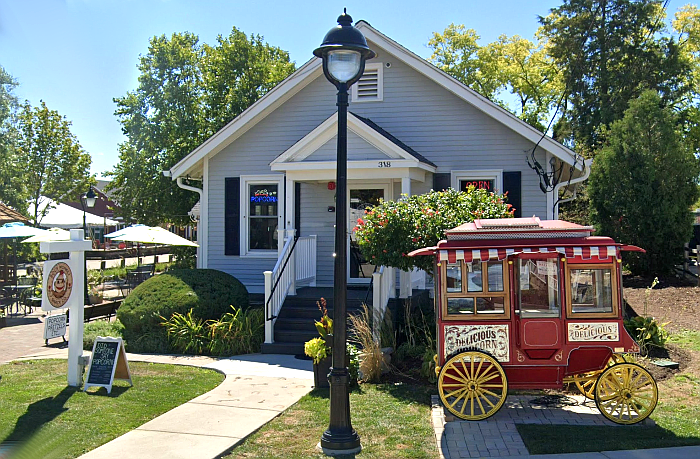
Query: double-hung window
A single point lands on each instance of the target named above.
(262, 203)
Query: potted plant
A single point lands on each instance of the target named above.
(320, 352)
(319, 349)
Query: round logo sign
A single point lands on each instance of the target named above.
(59, 285)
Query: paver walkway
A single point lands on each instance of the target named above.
(497, 436)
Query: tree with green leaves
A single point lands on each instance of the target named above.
(391, 230)
(187, 92)
(512, 65)
(643, 183)
(54, 163)
(12, 187)
(609, 52)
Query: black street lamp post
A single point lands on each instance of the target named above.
(87, 200)
(344, 51)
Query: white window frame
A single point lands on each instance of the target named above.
(246, 181)
(488, 174)
(379, 67)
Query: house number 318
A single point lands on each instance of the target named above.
(384, 164)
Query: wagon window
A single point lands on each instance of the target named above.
(591, 290)
(476, 289)
(539, 288)
(474, 281)
(460, 305)
(495, 276)
(490, 305)
(454, 277)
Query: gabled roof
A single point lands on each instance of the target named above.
(366, 129)
(313, 69)
(9, 215)
(394, 140)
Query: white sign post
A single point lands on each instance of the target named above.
(64, 286)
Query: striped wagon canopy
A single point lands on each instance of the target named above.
(585, 252)
(497, 239)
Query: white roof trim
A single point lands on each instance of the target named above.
(312, 69)
(311, 142)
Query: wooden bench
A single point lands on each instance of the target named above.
(99, 311)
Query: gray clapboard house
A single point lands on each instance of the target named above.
(270, 173)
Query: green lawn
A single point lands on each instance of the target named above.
(689, 339)
(49, 419)
(393, 421)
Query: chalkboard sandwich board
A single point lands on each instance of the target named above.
(108, 363)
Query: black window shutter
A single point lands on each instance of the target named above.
(511, 184)
(232, 214)
(297, 207)
(441, 181)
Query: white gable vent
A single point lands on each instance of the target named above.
(369, 88)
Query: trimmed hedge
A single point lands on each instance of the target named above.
(208, 292)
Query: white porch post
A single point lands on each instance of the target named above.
(405, 276)
(292, 265)
(289, 204)
(290, 230)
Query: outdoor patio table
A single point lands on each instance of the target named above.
(14, 292)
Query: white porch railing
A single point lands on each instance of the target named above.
(383, 288)
(295, 258)
(305, 255)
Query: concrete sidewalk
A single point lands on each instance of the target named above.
(257, 389)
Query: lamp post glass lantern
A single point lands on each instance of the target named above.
(87, 200)
(344, 51)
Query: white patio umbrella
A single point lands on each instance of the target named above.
(52, 234)
(149, 235)
(17, 229)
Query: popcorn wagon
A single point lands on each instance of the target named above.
(524, 303)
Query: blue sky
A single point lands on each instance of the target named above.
(77, 55)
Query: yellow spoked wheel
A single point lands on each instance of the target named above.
(626, 393)
(472, 385)
(586, 381)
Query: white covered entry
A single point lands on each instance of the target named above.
(379, 166)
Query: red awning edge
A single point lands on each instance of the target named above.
(632, 248)
(423, 251)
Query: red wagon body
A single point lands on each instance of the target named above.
(531, 304)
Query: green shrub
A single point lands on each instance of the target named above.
(427, 370)
(409, 352)
(187, 334)
(389, 231)
(643, 183)
(237, 332)
(647, 332)
(101, 328)
(207, 292)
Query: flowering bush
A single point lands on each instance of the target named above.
(389, 231)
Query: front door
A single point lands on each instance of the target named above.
(362, 197)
